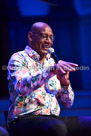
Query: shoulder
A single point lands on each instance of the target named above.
(17, 57)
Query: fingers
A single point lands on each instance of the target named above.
(68, 63)
(61, 70)
(67, 66)
(67, 75)
(73, 64)
(63, 78)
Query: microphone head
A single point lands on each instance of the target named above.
(51, 50)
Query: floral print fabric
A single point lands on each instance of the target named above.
(33, 88)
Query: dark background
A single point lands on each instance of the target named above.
(71, 24)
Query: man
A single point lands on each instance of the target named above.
(36, 84)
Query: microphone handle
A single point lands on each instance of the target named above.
(55, 57)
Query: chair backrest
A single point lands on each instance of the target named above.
(5, 115)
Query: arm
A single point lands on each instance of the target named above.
(21, 78)
(66, 94)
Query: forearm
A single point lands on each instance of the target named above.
(30, 83)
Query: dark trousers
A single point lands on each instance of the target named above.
(38, 125)
(32, 125)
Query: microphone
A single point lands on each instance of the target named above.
(53, 54)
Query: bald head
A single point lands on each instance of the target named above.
(39, 25)
(40, 38)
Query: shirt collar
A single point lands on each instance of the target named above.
(33, 54)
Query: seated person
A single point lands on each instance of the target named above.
(36, 84)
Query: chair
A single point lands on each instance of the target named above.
(5, 115)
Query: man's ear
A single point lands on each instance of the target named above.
(30, 35)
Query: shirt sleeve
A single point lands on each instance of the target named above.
(66, 96)
(20, 78)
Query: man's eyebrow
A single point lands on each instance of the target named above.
(46, 33)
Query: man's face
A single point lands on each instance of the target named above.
(43, 40)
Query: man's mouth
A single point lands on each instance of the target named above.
(46, 47)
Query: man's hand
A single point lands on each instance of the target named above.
(63, 78)
(65, 66)
(62, 69)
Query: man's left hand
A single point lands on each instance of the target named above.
(63, 78)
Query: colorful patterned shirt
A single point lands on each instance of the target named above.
(32, 87)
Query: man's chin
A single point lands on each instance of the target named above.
(45, 52)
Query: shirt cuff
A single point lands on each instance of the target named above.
(65, 89)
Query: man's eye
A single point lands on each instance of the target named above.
(51, 37)
(44, 36)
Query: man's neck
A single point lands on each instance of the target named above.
(42, 59)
